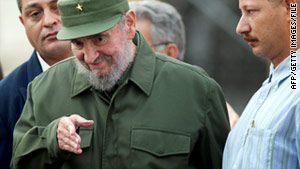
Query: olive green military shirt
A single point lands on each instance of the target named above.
(166, 114)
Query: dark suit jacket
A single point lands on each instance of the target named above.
(13, 92)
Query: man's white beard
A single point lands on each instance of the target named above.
(119, 64)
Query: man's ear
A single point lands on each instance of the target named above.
(171, 50)
(288, 2)
(130, 24)
(288, 6)
(21, 20)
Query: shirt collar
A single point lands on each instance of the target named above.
(141, 73)
(283, 70)
(44, 65)
(80, 82)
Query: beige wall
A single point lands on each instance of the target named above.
(14, 46)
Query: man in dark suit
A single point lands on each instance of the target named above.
(41, 21)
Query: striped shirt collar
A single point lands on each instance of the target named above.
(282, 71)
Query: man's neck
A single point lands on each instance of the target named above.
(281, 56)
(44, 65)
(277, 60)
(54, 58)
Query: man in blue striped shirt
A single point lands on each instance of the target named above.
(267, 136)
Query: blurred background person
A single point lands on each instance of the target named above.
(163, 29)
(41, 21)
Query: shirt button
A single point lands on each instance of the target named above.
(252, 123)
(276, 86)
(260, 101)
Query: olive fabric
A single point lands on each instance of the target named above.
(166, 114)
(81, 18)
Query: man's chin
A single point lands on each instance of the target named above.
(99, 74)
(57, 44)
(257, 52)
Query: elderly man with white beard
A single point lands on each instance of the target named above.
(117, 103)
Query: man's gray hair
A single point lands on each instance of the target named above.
(167, 25)
(122, 23)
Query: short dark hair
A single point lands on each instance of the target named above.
(19, 5)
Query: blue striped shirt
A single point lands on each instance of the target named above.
(267, 136)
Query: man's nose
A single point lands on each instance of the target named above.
(90, 53)
(50, 18)
(243, 26)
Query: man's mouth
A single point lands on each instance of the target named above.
(251, 40)
(51, 36)
(100, 62)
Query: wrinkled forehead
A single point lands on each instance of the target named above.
(36, 3)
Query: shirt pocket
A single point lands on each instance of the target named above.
(86, 136)
(84, 160)
(159, 148)
(258, 148)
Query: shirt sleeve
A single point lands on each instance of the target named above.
(5, 143)
(35, 146)
(216, 129)
(11, 106)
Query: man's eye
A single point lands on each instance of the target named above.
(55, 8)
(100, 39)
(250, 11)
(35, 14)
(76, 43)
